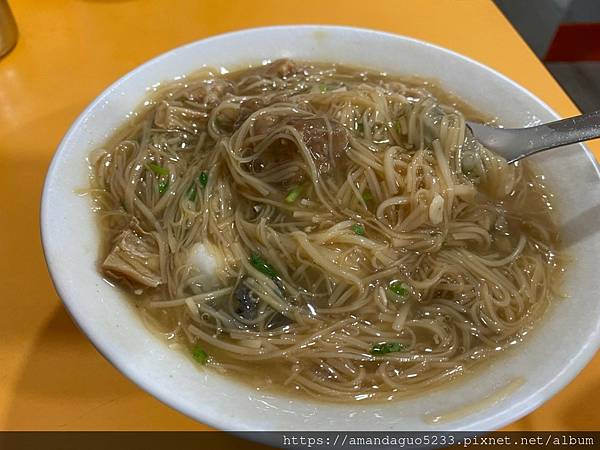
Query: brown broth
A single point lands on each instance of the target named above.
(526, 213)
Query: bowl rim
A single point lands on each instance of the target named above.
(509, 415)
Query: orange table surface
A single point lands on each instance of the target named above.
(51, 377)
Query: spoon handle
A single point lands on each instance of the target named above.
(516, 143)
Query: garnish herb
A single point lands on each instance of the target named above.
(163, 185)
(200, 355)
(400, 288)
(192, 192)
(262, 266)
(158, 170)
(293, 194)
(358, 229)
(387, 347)
(322, 88)
(367, 196)
(203, 179)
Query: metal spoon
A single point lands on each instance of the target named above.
(517, 143)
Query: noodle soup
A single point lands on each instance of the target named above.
(323, 229)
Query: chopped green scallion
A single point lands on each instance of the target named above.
(262, 266)
(400, 289)
(163, 185)
(293, 194)
(358, 229)
(191, 193)
(203, 179)
(367, 196)
(322, 88)
(200, 355)
(387, 347)
(158, 170)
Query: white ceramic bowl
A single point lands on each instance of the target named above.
(549, 359)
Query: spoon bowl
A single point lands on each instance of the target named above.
(516, 143)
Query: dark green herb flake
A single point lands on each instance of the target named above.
(399, 288)
(387, 347)
(200, 355)
(203, 179)
(262, 266)
(163, 185)
(358, 229)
